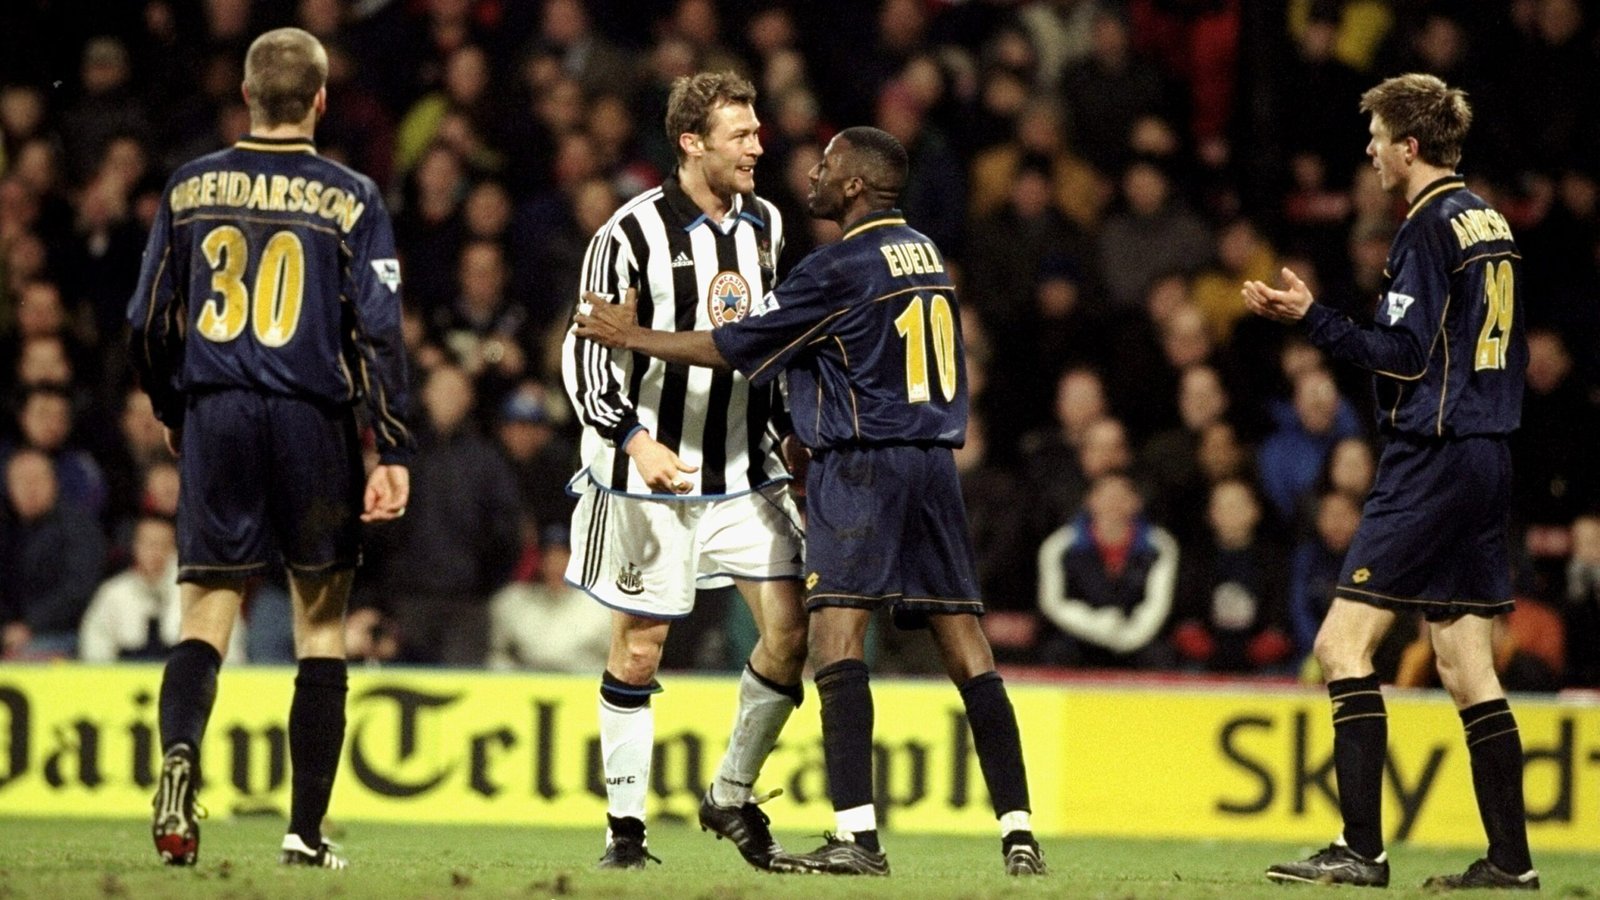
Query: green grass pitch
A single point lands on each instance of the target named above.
(238, 860)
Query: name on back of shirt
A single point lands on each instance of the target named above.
(1475, 226)
(912, 258)
(273, 193)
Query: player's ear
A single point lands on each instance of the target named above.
(320, 104)
(692, 144)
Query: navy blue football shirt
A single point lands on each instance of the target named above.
(870, 333)
(1447, 347)
(273, 269)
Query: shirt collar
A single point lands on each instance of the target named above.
(875, 220)
(689, 215)
(1435, 190)
(276, 145)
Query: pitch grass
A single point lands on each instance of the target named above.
(97, 858)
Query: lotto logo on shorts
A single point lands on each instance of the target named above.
(630, 580)
(1361, 575)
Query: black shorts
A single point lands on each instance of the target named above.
(887, 526)
(265, 478)
(1433, 535)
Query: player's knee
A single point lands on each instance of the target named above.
(786, 640)
(637, 661)
(1468, 682)
(1338, 655)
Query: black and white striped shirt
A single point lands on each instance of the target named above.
(691, 274)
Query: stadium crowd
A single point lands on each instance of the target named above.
(1104, 175)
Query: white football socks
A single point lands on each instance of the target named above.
(757, 722)
(627, 739)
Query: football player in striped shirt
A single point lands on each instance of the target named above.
(868, 332)
(683, 484)
(268, 305)
(1447, 352)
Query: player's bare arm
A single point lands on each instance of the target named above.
(616, 325)
(1287, 305)
(660, 468)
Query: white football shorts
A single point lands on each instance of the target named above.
(646, 556)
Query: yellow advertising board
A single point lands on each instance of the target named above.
(524, 749)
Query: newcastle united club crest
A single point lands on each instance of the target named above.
(728, 300)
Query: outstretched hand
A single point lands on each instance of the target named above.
(608, 324)
(1287, 305)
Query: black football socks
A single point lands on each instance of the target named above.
(847, 739)
(1496, 750)
(316, 734)
(188, 691)
(1360, 744)
(998, 741)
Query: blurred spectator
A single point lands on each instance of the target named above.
(1242, 255)
(458, 116)
(1050, 466)
(135, 614)
(586, 57)
(935, 193)
(1108, 92)
(51, 553)
(455, 548)
(1320, 94)
(1557, 446)
(428, 228)
(489, 335)
(1197, 44)
(1106, 580)
(105, 109)
(1008, 250)
(1152, 235)
(548, 625)
(1582, 610)
(541, 458)
(1062, 32)
(1291, 457)
(1314, 571)
(1232, 600)
(44, 423)
(1171, 458)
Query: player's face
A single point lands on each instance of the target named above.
(1389, 156)
(731, 150)
(826, 199)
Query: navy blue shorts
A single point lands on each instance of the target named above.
(265, 478)
(1433, 534)
(887, 526)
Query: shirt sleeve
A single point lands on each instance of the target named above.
(155, 337)
(372, 287)
(598, 381)
(786, 320)
(1409, 316)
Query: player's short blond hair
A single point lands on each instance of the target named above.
(1421, 106)
(694, 97)
(283, 72)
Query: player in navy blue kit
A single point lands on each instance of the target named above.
(1447, 351)
(267, 306)
(868, 332)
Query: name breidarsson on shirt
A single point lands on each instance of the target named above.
(270, 193)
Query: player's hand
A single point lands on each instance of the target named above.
(608, 324)
(388, 489)
(174, 438)
(797, 459)
(1287, 305)
(660, 468)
